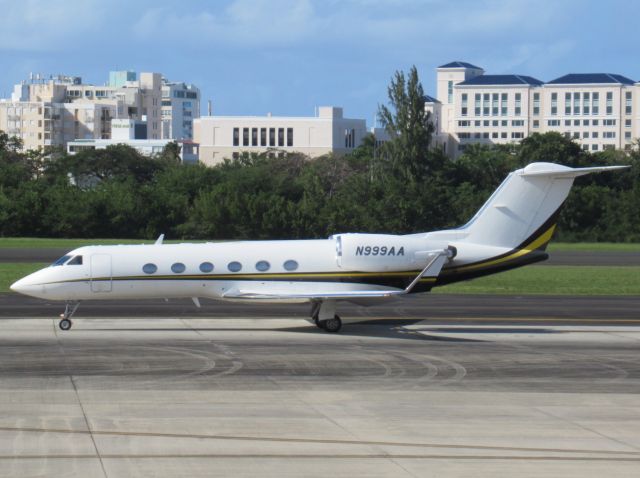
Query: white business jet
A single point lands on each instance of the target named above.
(512, 229)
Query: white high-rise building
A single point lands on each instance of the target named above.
(180, 106)
(597, 110)
(55, 110)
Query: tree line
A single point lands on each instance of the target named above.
(403, 187)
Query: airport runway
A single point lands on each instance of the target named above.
(560, 258)
(487, 387)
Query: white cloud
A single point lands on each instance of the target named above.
(45, 25)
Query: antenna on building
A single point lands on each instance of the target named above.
(208, 107)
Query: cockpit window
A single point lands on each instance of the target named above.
(76, 261)
(61, 261)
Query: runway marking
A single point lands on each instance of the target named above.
(312, 440)
(430, 320)
(331, 456)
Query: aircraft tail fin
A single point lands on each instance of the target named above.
(523, 211)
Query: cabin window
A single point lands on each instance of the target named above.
(291, 265)
(234, 266)
(178, 267)
(206, 267)
(76, 261)
(61, 261)
(149, 268)
(263, 266)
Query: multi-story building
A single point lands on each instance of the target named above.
(180, 106)
(597, 110)
(225, 137)
(134, 134)
(56, 110)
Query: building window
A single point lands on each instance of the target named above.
(290, 136)
(627, 135)
(536, 104)
(280, 136)
(503, 135)
(554, 104)
(504, 123)
(554, 122)
(594, 134)
(485, 104)
(517, 122)
(536, 123)
(263, 136)
(236, 136)
(494, 135)
(518, 104)
(503, 104)
(464, 110)
(585, 103)
(609, 122)
(576, 122)
(463, 124)
(495, 123)
(178, 268)
(627, 103)
(149, 268)
(609, 102)
(450, 92)
(254, 136)
(567, 104)
(477, 104)
(517, 135)
(609, 134)
(245, 136)
(576, 103)
(234, 266)
(206, 267)
(485, 123)
(494, 104)
(595, 103)
(594, 147)
(567, 122)
(272, 136)
(595, 122)
(585, 122)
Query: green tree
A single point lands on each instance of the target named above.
(408, 125)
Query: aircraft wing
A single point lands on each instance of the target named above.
(437, 259)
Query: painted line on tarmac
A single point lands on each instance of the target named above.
(331, 456)
(316, 441)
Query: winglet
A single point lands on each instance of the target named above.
(159, 240)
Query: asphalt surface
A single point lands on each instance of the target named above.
(439, 307)
(560, 258)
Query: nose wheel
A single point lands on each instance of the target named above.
(70, 309)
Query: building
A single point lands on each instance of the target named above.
(597, 110)
(222, 137)
(55, 110)
(180, 106)
(134, 134)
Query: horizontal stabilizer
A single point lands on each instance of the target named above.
(559, 171)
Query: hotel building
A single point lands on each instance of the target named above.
(597, 110)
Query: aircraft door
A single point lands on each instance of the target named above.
(101, 273)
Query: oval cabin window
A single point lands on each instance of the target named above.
(178, 267)
(290, 265)
(206, 267)
(234, 266)
(263, 266)
(149, 268)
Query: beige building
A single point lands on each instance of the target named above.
(597, 110)
(222, 137)
(56, 110)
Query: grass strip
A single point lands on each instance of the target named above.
(545, 280)
(12, 271)
(553, 280)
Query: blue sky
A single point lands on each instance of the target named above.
(288, 56)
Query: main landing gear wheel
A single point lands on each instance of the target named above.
(65, 324)
(331, 325)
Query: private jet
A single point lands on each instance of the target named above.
(510, 230)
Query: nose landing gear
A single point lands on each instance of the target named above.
(70, 309)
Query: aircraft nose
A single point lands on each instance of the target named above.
(18, 286)
(27, 286)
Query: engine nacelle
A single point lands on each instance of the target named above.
(380, 252)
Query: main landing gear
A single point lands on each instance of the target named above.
(324, 316)
(70, 309)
